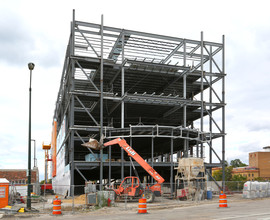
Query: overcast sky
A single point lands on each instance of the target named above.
(38, 32)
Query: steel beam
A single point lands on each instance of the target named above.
(93, 84)
(122, 103)
(94, 120)
(89, 44)
(171, 170)
(202, 89)
(173, 52)
(210, 119)
(71, 115)
(81, 174)
(101, 105)
(156, 36)
(223, 115)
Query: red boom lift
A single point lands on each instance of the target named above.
(131, 185)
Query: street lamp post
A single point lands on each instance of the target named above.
(35, 158)
(31, 67)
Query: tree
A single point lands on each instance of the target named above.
(260, 179)
(236, 183)
(237, 163)
(228, 174)
(43, 181)
(239, 177)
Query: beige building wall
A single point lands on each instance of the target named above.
(261, 160)
(250, 174)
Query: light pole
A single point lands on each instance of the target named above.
(31, 67)
(35, 158)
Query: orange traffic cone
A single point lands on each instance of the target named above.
(56, 206)
(142, 209)
(222, 200)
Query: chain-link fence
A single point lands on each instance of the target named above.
(88, 197)
(230, 186)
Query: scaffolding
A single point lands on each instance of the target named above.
(164, 95)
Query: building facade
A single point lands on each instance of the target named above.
(261, 160)
(250, 172)
(18, 176)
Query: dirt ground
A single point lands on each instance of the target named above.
(78, 206)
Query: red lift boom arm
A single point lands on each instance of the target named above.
(132, 153)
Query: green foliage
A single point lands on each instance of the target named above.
(235, 185)
(43, 181)
(103, 201)
(239, 178)
(260, 179)
(237, 163)
(228, 174)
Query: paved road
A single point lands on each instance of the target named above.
(245, 209)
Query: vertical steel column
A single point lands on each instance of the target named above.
(101, 104)
(223, 114)
(110, 163)
(130, 165)
(210, 101)
(202, 93)
(72, 125)
(122, 103)
(152, 156)
(171, 178)
(72, 167)
(185, 106)
(72, 50)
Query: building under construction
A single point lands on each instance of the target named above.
(164, 95)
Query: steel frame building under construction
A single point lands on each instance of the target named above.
(164, 95)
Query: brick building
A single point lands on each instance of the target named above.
(18, 176)
(250, 172)
(261, 160)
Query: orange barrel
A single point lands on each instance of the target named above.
(56, 206)
(142, 209)
(222, 200)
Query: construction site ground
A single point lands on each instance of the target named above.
(162, 208)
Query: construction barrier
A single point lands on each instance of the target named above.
(142, 209)
(222, 200)
(56, 206)
(4, 183)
